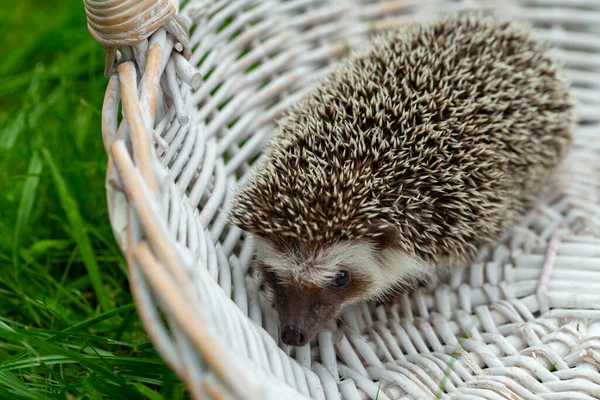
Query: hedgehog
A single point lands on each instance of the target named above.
(409, 156)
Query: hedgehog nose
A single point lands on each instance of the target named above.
(293, 336)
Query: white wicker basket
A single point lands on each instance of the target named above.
(174, 159)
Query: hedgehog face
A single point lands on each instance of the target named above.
(311, 288)
(305, 307)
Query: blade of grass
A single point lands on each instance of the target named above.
(80, 235)
(130, 317)
(46, 334)
(27, 304)
(12, 388)
(58, 288)
(39, 360)
(110, 379)
(455, 355)
(9, 135)
(91, 391)
(50, 371)
(99, 318)
(147, 392)
(49, 310)
(171, 390)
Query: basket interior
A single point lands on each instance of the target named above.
(484, 332)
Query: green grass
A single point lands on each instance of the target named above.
(68, 326)
(466, 334)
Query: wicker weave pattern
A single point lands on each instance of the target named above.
(129, 22)
(522, 322)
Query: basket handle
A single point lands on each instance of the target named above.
(115, 23)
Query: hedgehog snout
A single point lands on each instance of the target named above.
(303, 310)
(292, 335)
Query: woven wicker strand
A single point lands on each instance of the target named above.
(116, 23)
(522, 322)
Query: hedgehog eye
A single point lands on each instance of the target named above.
(340, 280)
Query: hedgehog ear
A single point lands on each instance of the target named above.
(384, 235)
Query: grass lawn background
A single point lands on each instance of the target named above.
(68, 326)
